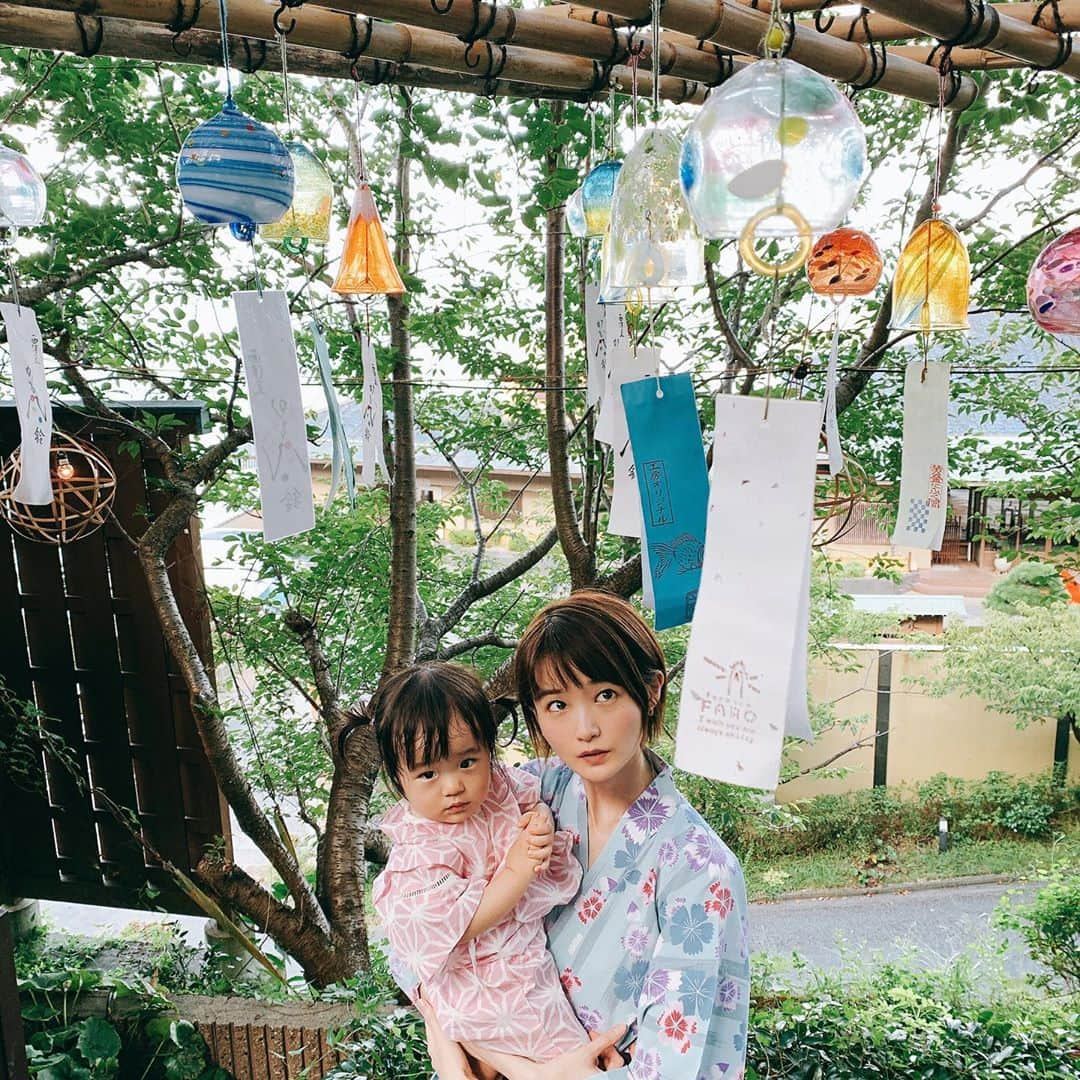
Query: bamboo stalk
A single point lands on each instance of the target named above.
(319, 28)
(548, 29)
(743, 29)
(946, 20)
(962, 59)
(59, 32)
(884, 28)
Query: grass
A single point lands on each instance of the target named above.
(907, 862)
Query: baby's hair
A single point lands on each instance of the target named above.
(413, 711)
(597, 635)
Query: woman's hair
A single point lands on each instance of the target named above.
(598, 636)
(414, 709)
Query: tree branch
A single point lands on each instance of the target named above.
(479, 642)
(329, 706)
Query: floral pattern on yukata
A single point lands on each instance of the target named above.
(665, 901)
(502, 989)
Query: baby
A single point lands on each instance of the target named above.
(475, 866)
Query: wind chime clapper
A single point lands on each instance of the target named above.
(22, 206)
(777, 151)
(232, 170)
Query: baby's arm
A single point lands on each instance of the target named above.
(508, 886)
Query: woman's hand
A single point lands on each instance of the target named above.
(579, 1064)
(611, 1058)
(447, 1057)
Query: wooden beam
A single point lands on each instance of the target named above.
(884, 28)
(549, 29)
(947, 20)
(59, 32)
(742, 28)
(349, 35)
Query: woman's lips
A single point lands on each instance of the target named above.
(594, 755)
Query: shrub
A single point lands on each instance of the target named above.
(899, 1025)
(1050, 924)
(1035, 584)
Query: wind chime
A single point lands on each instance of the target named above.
(1053, 285)
(232, 170)
(367, 269)
(931, 288)
(22, 206)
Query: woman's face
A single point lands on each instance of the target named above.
(595, 727)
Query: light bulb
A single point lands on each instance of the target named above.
(65, 470)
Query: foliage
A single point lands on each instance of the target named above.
(858, 821)
(138, 1040)
(1050, 924)
(1026, 666)
(1030, 584)
(898, 1024)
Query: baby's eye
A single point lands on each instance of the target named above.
(428, 774)
(607, 695)
(468, 763)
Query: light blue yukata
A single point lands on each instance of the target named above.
(657, 934)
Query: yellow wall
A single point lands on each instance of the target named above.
(927, 735)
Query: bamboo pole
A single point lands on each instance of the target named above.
(884, 28)
(548, 29)
(743, 29)
(59, 32)
(318, 28)
(947, 21)
(962, 59)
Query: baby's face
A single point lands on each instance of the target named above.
(451, 790)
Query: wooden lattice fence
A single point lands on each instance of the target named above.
(82, 642)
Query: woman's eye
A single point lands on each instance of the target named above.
(606, 695)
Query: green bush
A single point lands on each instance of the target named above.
(1035, 584)
(1050, 924)
(900, 1025)
(997, 807)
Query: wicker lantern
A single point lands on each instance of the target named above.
(84, 485)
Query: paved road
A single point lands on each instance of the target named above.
(928, 928)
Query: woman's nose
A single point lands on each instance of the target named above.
(587, 728)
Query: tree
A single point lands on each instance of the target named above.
(113, 288)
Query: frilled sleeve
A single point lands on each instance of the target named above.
(693, 1006)
(426, 902)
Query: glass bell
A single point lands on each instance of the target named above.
(932, 281)
(232, 170)
(654, 244)
(308, 218)
(775, 134)
(367, 267)
(1053, 285)
(596, 195)
(844, 262)
(575, 215)
(22, 192)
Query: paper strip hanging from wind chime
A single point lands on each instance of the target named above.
(673, 482)
(341, 458)
(740, 666)
(277, 413)
(924, 469)
(613, 353)
(372, 455)
(624, 518)
(32, 399)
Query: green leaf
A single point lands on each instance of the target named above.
(99, 1041)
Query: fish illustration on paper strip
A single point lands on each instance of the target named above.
(686, 552)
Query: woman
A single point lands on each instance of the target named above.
(657, 935)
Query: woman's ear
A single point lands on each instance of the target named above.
(656, 685)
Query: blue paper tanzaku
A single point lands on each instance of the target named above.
(669, 461)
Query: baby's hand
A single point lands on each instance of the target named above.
(520, 858)
(541, 831)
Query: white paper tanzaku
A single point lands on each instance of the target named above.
(741, 679)
(924, 469)
(32, 400)
(372, 455)
(613, 350)
(277, 413)
(624, 518)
